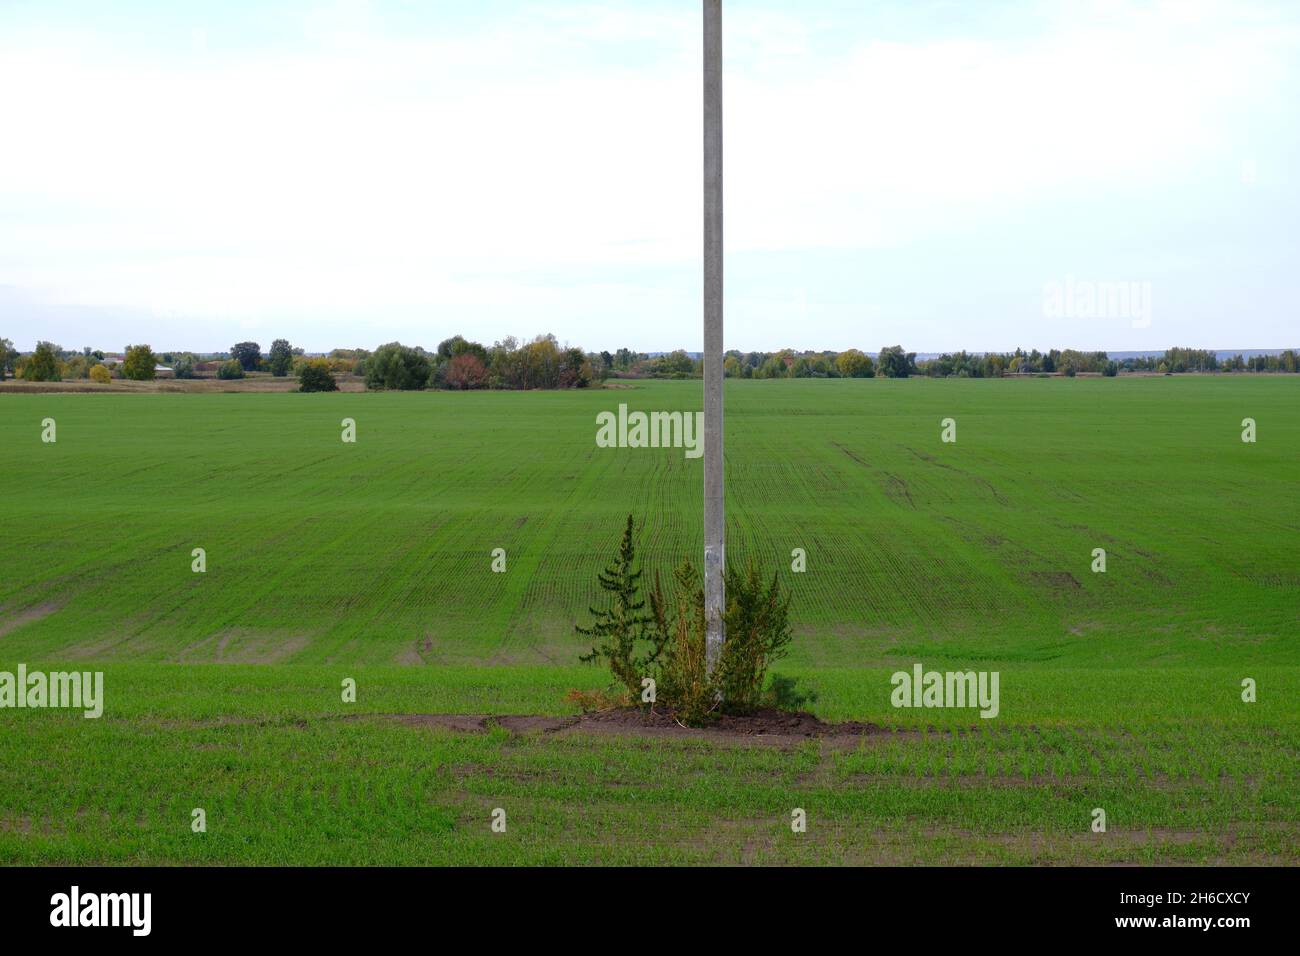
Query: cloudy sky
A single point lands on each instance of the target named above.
(350, 173)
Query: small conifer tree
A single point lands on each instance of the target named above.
(620, 633)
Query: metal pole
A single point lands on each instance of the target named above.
(714, 523)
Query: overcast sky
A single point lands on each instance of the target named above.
(342, 174)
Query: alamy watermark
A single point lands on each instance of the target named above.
(1089, 299)
(922, 688)
(130, 910)
(78, 690)
(651, 430)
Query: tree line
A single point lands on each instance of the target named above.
(458, 363)
(52, 363)
(894, 362)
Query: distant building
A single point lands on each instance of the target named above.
(159, 371)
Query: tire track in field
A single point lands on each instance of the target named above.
(524, 571)
(988, 485)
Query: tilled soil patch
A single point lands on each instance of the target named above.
(768, 721)
(765, 726)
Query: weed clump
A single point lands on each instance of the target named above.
(666, 642)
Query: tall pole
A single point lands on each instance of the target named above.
(714, 524)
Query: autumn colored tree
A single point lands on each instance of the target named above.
(466, 371)
(853, 363)
(317, 375)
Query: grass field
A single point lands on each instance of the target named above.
(372, 560)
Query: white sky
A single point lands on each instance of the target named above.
(346, 174)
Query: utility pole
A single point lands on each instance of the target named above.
(714, 522)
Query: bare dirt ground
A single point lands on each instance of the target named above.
(11, 620)
(768, 726)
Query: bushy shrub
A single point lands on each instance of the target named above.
(100, 375)
(397, 366)
(684, 682)
(183, 367)
(230, 369)
(757, 626)
(669, 643)
(316, 375)
(757, 630)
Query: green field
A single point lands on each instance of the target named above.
(372, 560)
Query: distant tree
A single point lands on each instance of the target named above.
(1110, 370)
(184, 366)
(100, 374)
(457, 345)
(540, 363)
(76, 367)
(466, 371)
(8, 355)
(397, 366)
(574, 369)
(447, 348)
(505, 363)
(230, 370)
(855, 364)
(893, 362)
(676, 364)
(1199, 360)
(316, 375)
(139, 364)
(280, 359)
(247, 354)
(44, 365)
(348, 361)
